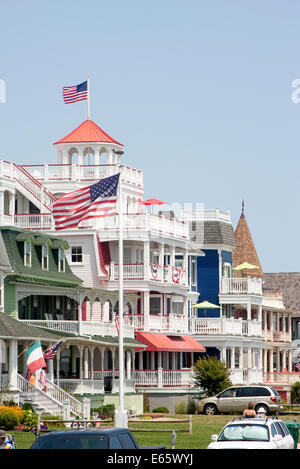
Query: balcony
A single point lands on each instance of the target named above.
(277, 336)
(56, 173)
(88, 328)
(225, 326)
(241, 286)
(177, 380)
(166, 274)
(173, 323)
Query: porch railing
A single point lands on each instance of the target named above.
(157, 322)
(81, 327)
(163, 378)
(240, 286)
(225, 326)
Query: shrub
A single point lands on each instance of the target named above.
(180, 408)
(28, 406)
(105, 411)
(30, 419)
(295, 394)
(8, 418)
(53, 424)
(161, 410)
(191, 406)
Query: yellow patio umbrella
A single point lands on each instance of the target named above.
(206, 305)
(244, 266)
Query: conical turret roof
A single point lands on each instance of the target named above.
(88, 132)
(245, 250)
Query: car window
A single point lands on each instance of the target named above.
(284, 427)
(115, 443)
(275, 392)
(244, 392)
(279, 429)
(75, 442)
(261, 391)
(231, 392)
(273, 430)
(244, 432)
(126, 441)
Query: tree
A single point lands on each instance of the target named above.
(211, 375)
(296, 393)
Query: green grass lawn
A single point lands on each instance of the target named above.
(203, 427)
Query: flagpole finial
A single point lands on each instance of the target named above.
(243, 207)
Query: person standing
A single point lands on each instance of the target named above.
(4, 443)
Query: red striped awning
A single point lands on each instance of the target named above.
(169, 342)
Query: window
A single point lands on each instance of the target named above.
(115, 443)
(45, 257)
(193, 273)
(76, 254)
(279, 429)
(177, 307)
(126, 441)
(228, 393)
(27, 253)
(155, 306)
(61, 260)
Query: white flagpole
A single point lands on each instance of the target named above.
(121, 420)
(88, 93)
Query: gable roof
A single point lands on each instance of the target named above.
(13, 240)
(88, 132)
(245, 250)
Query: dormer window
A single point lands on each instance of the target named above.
(61, 260)
(45, 257)
(27, 253)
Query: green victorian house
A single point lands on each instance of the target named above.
(41, 297)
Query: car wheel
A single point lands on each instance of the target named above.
(262, 406)
(210, 409)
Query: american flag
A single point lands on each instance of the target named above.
(117, 324)
(51, 352)
(71, 94)
(98, 200)
(297, 366)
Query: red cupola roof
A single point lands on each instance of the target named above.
(88, 132)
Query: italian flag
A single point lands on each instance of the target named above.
(35, 358)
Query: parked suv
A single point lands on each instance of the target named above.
(236, 399)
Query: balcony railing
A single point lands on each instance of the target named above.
(76, 172)
(166, 274)
(175, 323)
(241, 286)
(277, 336)
(162, 379)
(88, 328)
(225, 326)
(283, 378)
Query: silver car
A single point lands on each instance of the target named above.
(236, 399)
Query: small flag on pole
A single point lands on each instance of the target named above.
(35, 359)
(50, 353)
(71, 94)
(117, 324)
(98, 200)
(297, 366)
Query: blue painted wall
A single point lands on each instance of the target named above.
(208, 279)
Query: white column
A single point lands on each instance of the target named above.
(146, 307)
(128, 364)
(86, 363)
(141, 364)
(232, 358)
(249, 358)
(241, 365)
(259, 312)
(146, 260)
(13, 364)
(248, 311)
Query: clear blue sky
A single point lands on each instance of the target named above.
(199, 92)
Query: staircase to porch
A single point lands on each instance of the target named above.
(50, 402)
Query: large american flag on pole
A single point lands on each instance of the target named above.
(97, 200)
(71, 94)
(50, 353)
